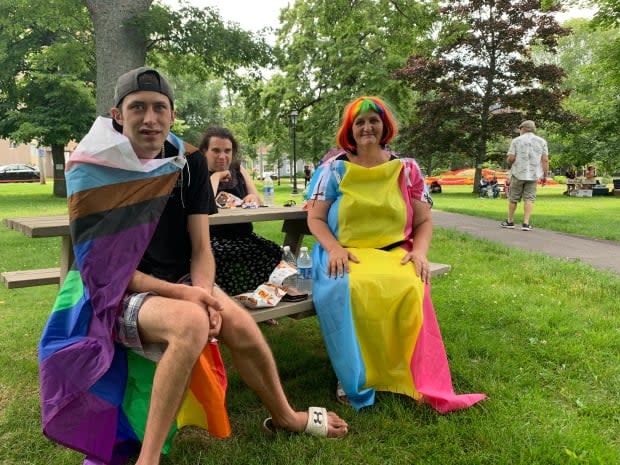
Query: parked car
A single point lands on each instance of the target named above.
(270, 174)
(18, 172)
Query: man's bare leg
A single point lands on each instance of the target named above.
(254, 361)
(512, 206)
(184, 326)
(528, 206)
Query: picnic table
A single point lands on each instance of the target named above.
(579, 185)
(294, 226)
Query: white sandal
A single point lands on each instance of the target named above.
(316, 425)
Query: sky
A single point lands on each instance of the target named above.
(257, 14)
(250, 14)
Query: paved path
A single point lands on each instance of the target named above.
(599, 253)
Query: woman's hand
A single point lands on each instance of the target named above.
(252, 199)
(338, 261)
(421, 264)
(223, 176)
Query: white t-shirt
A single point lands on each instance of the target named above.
(528, 150)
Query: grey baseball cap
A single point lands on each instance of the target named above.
(528, 124)
(142, 78)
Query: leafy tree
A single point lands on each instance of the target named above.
(46, 82)
(330, 52)
(120, 46)
(587, 55)
(212, 63)
(480, 80)
(608, 13)
(49, 74)
(200, 43)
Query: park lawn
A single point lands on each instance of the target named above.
(585, 216)
(541, 342)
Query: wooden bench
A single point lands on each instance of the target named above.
(305, 308)
(27, 278)
(294, 226)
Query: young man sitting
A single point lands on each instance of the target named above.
(145, 290)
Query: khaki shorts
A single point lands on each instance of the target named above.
(519, 189)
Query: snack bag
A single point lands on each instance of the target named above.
(227, 200)
(282, 271)
(273, 291)
(266, 295)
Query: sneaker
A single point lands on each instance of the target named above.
(507, 224)
(526, 227)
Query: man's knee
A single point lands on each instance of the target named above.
(184, 322)
(238, 326)
(193, 323)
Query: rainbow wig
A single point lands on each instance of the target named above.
(344, 137)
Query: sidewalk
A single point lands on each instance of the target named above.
(599, 253)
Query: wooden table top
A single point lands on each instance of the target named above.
(58, 225)
(582, 181)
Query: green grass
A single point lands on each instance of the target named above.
(540, 336)
(586, 216)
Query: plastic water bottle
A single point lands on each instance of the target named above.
(268, 194)
(289, 257)
(304, 267)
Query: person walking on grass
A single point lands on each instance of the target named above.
(528, 159)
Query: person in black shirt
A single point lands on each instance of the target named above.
(307, 175)
(179, 316)
(243, 260)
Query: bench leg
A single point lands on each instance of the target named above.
(66, 257)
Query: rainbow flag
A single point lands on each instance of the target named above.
(94, 393)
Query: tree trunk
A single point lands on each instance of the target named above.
(119, 46)
(42, 161)
(58, 158)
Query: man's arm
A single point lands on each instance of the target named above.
(545, 165)
(202, 267)
(510, 159)
(142, 282)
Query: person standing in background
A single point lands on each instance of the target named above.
(307, 175)
(528, 158)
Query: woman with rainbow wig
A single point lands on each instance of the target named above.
(370, 213)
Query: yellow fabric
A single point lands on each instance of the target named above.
(191, 412)
(372, 211)
(386, 297)
(387, 301)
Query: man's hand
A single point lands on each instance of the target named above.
(203, 298)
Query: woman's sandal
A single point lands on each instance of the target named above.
(341, 396)
(316, 426)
